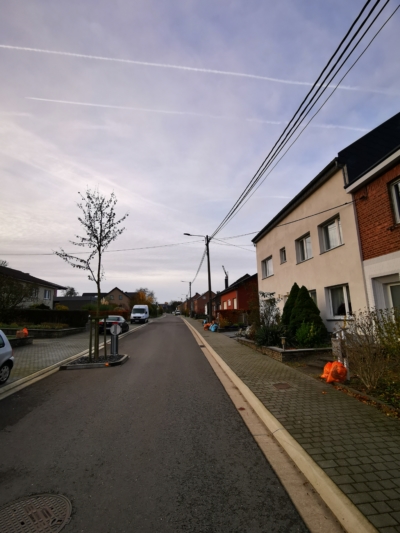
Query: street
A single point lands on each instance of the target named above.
(154, 445)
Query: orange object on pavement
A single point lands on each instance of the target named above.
(206, 326)
(25, 332)
(327, 369)
(338, 373)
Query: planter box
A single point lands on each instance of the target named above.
(15, 343)
(46, 333)
(285, 356)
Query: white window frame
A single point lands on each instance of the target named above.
(302, 249)
(267, 267)
(282, 255)
(46, 294)
(313, 296)
(395, 192)
(390, 293)
(225, 304)
(324, 236)
(235, 303)
(346, 297)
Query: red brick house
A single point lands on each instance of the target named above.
(200, 303)
(236, 299)
(372, 172)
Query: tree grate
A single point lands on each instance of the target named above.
(43, 513)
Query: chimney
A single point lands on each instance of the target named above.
(226, 278)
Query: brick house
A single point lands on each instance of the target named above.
(237, 298)
(375, 187)
(118, 297)
(200, 303)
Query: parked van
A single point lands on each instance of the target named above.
(140, 313)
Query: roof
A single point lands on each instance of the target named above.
(313, 185)
(371, 149)
(357, 159)
(75, 298)
(237, 283)
(23, 276)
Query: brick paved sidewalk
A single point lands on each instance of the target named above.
(356, 445)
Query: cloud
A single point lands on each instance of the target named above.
(190, 69)
(184, 113)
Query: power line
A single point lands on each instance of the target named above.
(316, 113)
(294, 123)
(222, 243)
(201, 264)
(110, 251)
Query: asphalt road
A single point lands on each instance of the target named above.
(152, 446)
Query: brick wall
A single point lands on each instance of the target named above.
(378, 232)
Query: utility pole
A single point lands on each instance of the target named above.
(209, 279)
(207, 238)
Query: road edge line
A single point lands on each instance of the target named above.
(350, 518)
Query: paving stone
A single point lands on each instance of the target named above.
(382, 520)
(357, 445)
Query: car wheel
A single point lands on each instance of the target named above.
(5, 372)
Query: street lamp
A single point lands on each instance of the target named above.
(207, 238)
(190, 296)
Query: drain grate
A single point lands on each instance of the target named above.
(282, 386)
(43, 513)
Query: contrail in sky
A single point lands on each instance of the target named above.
(185, 113)
(191, 69)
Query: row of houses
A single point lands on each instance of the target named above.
(339, 237)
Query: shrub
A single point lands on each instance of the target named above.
(60, 307)
(305, 311)
(372, 344)
(223, 322)
(288, 307)
(39, 306)
(309, 336)
(269, 336)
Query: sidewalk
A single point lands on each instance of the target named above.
(356, 445)
(47, 353)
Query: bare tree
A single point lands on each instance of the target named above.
(3, 263)
(100, 229)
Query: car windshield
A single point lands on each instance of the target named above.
(139, 310)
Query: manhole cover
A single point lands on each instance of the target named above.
(282, 386)
(47, 513)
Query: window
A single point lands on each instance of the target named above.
(313, 295)
(340, 301)
(394, 292)
(35, 293)
(46, 294)
(395, 189)
(331, 235)
(282, 253)
(120, 297)
(235, 303)
(267, 268)
(111, 297)
(225, 305)
(303, 248)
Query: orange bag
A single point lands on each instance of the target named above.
(25, 332)
(206, 326)
(327, 369)
(338, 373)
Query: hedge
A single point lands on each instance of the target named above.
(75, 319)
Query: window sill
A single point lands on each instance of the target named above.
(305, 261)
(330, 249)
(266, 277)
(341, 317)
(283, 262)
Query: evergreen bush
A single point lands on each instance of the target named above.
(288, 307)
(305, 311)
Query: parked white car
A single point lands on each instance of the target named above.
(6, 358)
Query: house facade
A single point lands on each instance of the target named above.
(44, 291)
(319, 251)
(200, 303)
(239, 294)
(337, 238)
(119, 298)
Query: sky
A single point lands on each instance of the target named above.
(172, 106)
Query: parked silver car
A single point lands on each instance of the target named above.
(6, 358)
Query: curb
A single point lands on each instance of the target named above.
(20, 384)
(96, 365)
(349, 517)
